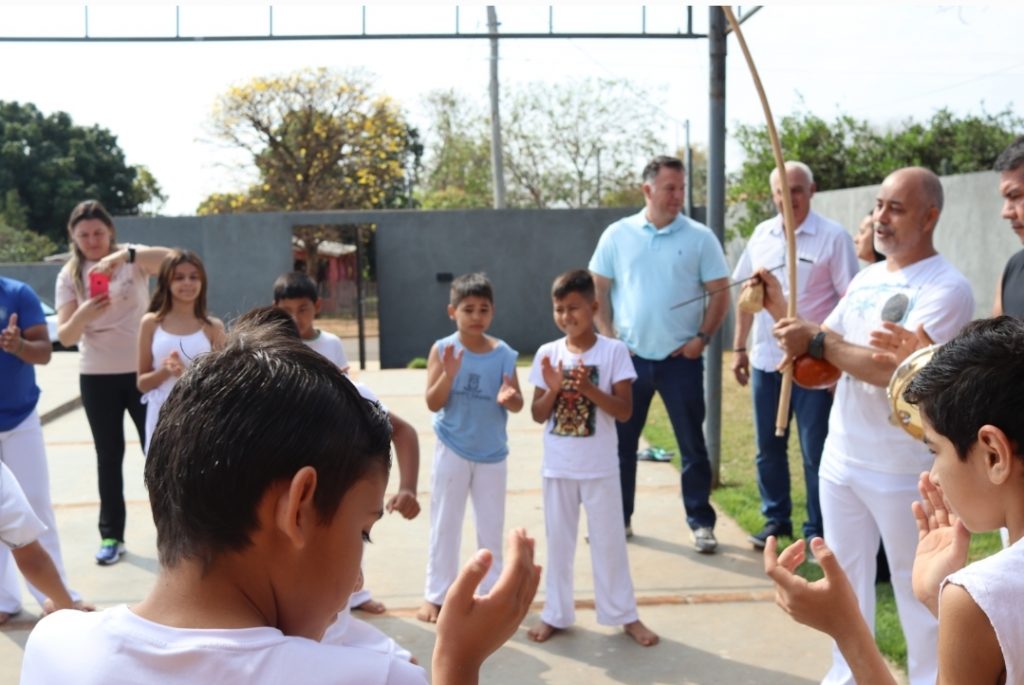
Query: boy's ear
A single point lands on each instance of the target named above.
(316, 306)
(594, 305)
(451, 311)
(997, 450)
(295, 513)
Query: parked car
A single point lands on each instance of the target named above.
(51, 326)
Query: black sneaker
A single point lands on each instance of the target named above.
(758, 540)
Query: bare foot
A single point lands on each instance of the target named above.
(644, 636)
(428, 612)
(541, 632)
(371, 606)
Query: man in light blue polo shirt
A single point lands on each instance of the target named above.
(649, 262)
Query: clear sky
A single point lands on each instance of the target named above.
(880, 62)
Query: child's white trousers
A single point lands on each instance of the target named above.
(601, 498)
(452, 481)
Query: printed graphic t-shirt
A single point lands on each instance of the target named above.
(580, 440)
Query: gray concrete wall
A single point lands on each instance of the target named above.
(243, 253)
(40, 276)
(520, 250)
(970, 233)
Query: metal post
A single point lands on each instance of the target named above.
(497, 164)
(716, 222)
(688, 162)
(360, 314)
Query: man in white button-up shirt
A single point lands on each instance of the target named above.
(826, 263)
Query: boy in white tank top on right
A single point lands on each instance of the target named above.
(970, 400)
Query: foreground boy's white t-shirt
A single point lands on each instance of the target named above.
(115, 647)
(19, 525)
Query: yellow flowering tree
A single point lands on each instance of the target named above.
(318, 139)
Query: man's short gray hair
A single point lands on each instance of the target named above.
(1012, 157)
(808, 174)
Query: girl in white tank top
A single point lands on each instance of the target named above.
(174, 331)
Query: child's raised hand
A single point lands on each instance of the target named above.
(551, 374)
(942, 542)
(404, 503)
(172, 363)
(470, 627)
(581, 378)
(451, 362)
(507, 392)
(828, 604)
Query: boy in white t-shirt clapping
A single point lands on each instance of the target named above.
(583, 385)
(297, 295)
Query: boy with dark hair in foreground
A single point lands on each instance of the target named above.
(266, 473)
(969, 396)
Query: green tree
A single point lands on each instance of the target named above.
(849, 152)
(573, 144)
(53, 164)
(579, 144)
(22, 245)
(146, 186)
(457, 174)
(318, 139)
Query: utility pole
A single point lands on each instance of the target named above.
(717, 47)
(497, 165)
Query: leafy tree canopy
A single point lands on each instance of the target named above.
(849, 152)
(578, 144)
(318, 139)
(53, 164)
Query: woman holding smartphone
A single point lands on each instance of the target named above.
(102, 293)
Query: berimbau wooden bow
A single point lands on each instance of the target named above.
(782, 417)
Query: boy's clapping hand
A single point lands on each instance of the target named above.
(451, 361)
(552, 375)
(507, 392)
(471, 627)
(581, 379)
(942, 542)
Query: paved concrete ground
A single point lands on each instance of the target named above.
(715, 615)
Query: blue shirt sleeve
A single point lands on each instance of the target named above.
(510, 361)
(602, 262)
(30, 312)
(712, 260)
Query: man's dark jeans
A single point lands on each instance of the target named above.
(811, 408)
(680, 382)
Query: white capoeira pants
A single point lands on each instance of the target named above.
(452, 481)
(613, 586)
(858, 505)
(24, 452)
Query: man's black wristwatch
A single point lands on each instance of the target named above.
(816, 348)
(704, 337)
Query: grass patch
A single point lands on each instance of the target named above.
(417, 363)
(737, 495)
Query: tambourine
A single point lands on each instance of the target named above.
(904, 414)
